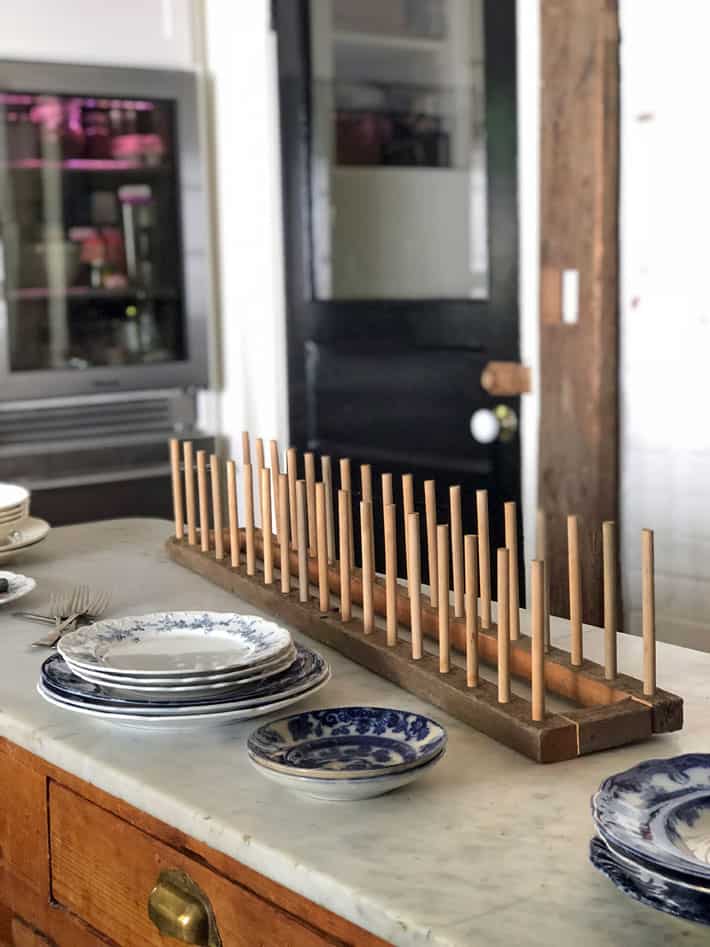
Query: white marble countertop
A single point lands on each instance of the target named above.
(489, 848)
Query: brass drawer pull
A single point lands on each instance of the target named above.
(179, 909)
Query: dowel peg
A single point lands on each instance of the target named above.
(484, 556)
(310, 469)
(511, 542)
(610, 606)
(327, 477)
(387, 490)
(266, 526)
(285, 561)
(233, 514)
(503, 627)
(260, 463)
(275, 474)
(203, 500)
(470, 548)
(442, 547)
(574, 568)
(541, 554)
(457, 549)
(368, 567)
(347, 485)
(217, 506)
(648, 612)
(344, 511)
(322, 544)
(246, 449)
(178, 510)
(537, 595)
(432, 557)
(390, 517)
(302, 540)
(248, 484)
(292, 470)
(414, 585)
(188, 462)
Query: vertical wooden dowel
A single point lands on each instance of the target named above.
(456, 548)
(217, 507)
(344, 511)
(368, 568)
(387, 490)
(537, 596)
(432, 558)
(275, 474)
(442, 549)
(390, 516)
(285, 562)
(248, 484)
(310, 468)
(574, 569)
(233, 514)
(203, 500)
(327, 477)
(188, 463)
(610, 616)
(292, 470)
(407, 507)
(541, 554)
(302, 540)
(246, 449)
(322, 546)
(470, 548)
(484, 557)
(266, 526)
(414, 585)
(648, 612)
(346, 484)
(511, 541)
(260, 463)
(503, 627)
(366, 482)
(178, 510)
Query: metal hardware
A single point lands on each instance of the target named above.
(179, 909)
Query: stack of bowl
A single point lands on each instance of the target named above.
(18, 530)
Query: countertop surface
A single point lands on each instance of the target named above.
(488, 848)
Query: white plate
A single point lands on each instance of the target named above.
(187, 722)
(30, 532)
(173, 644)
(19, 585)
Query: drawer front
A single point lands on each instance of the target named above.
(103, 869)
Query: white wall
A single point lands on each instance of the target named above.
(665, 309)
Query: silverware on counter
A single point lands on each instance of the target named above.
(68, 609)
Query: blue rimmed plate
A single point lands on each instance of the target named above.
(347, 743)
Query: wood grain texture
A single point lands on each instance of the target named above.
(506, 379)
(578, 457)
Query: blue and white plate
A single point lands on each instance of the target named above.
(308, 670)
(174, 644)
(347, 743)
(659, 811)
(652, 888)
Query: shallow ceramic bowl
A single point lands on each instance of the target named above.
(18, 585)
(347, 742)
(347, 790)
(660, 811)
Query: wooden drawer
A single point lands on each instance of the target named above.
(103, 869)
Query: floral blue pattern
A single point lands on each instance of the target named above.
(347, 741)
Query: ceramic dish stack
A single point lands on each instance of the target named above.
(175, 670)
(653, 841)
(18, 530)
(343, 754)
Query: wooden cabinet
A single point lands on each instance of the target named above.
(77, 868)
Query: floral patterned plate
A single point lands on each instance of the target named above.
(347, 743)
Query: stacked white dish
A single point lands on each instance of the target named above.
(18, 530)
(176, 670)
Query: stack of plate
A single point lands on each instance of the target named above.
(174, 670)
(347, 753)
(653, 842)
(18, 529)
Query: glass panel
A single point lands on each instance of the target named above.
(89, 231)
(398, 149)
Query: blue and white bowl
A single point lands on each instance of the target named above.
(347, 743)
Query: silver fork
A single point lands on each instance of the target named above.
(80, 604)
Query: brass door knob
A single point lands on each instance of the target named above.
(179, 909)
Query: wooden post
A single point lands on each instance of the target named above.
(275, 474)
(217, 507)
(575, 592)
(302, 541)
(484, 557)
(541, 554)
(407, 507)
(511, 542)
(266, 526)
(470, 548)
(648, 612)
(366, 482)
(188, 463)
(260, 464)
(233, 514)
(503, 627)
(292, 470)
(246, 449)
(537, 596)
(285, 564)
(432, 557)
(310, 468)
(346, 484)
(327, 477)
(387, 491)
(203, 500)
(414, 585)
(457, 549)
(249, 518)
(322, 545)
(344, 514)
(368, 568)
(178, 511)
(442, 547)
(390, 514)
(610, 616)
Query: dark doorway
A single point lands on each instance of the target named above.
(398, 130)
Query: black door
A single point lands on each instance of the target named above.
(398, 125)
